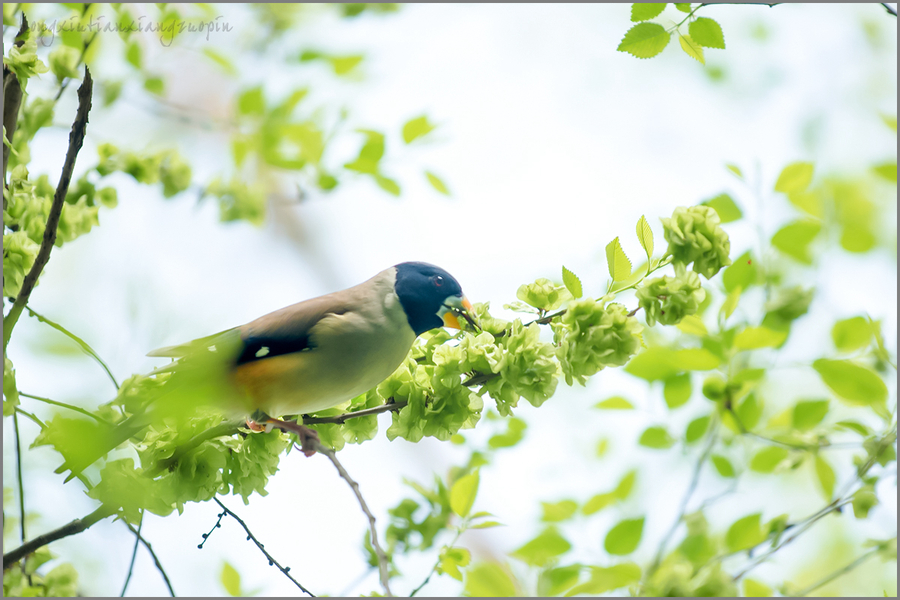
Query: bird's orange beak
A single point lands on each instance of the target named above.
(457, 305)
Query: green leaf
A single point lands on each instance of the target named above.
(744, 533)
(749, 412)
(644, 11)
(741, 273)
(416, 128)
(731, 301)
(725, 207)
(572, 283)
(723, 466)
(554, 582)
(890, 121)
(606, 579)
(547, 545)
(854, 427)
(793, 239)
(851, 334)
(558, 511)
(752, 338)
(707, 33)
(154, 85)
(767, 459)
(684, 7)
(736, 170)
(795, 177)
(696, 429)
(231, 580)
(489, 580)
(656, 437)
(809, 413)
(598, 502)
(437, 183)
(618, 263)
(387, 184)
(226, 65)
(252, 102)
(756, 589)
(825, 475)
(133, 54)
(853, 383)
(616, 403)
(452, 559)
(486, 525)
(660, 363)
(462, 494)
(677, 390)
(645, 236)
(692, 325)
(691, 48)
(887, 171)
(343, 65)
(624, 537)
(644, 40)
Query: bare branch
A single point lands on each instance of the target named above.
(250, 536)
(19, 477)
(76, 140)
(891, 10)
(12, 100)
(149, 548)
(137, 541)
(379, 551)
(71, 528)
(341, 419)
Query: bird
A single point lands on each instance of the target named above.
(306, 357)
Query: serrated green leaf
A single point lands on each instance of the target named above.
(644, 40)
(723, 466)
(677, 390)
(547, 545)
(767, 459)
(416, 128)
(809, 413)
(744, 533)
(725, 207)
(851, 334)
(615, 403)
(462, 494)
(624, 537)
(644, 11)
(707, 33)
(645, 236)
(691, 48)
(752, 338)
(794, 239)
(851, 382)
(572, 283)
(696, 429)
(825, 475)
(437, 183)
(657, 438)
(617, 261)
(795, 177)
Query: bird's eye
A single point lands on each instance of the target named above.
(438, 280)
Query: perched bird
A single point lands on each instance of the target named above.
(306, 357)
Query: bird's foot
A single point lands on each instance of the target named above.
(309, 438)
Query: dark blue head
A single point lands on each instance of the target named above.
(430, 296)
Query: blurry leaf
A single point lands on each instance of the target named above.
(606, 579)
(572, 283)
(645, 236)
(731, 301)
(252, 102)
(855, 427)
(864, 499)
(452, 559)
(851, 334)
(486, 525)
(547, 545)
(602, 447)
(626, 484)
(598, 502)
(644, 40)
(387, 184)
(736, 170)
(462, 494)
(154, 85)
(624, 537)
(644, 11)
(795, 177)
(343, 65)
(416, 128)
(793, 239)
(752, 338)
(659, 363)
(616, 402)
(437, 183)
(825, 475)
(707, 32)
(809, 413)
(723, 466)
(808, 202)
(554, 582)
(855, 384)
(677, 390)
(744, 533)
(696, 429)
(767, 459)
(657, 438)
(231, 580)
(693, 325)
(756, 589)
(618, 263)
(133, 54)
(741, 273)
(692, 48)
(226, 65)
(887, 171)
(489, 580)
(558, 511)
(749, 412)
(890, 121)
(515, 430)
(725, 207)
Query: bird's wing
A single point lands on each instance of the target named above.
(182, 350)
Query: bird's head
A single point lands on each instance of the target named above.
(431, 297)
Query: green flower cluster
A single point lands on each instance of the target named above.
(695, 236)
(527, 369)
(167, 167)
(543, 294)
(670, 299)
(592, 335)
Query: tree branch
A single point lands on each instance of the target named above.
(887, 7)
(12, 101)
(72, 528)
(250, 536)
(838, 573)
(19, 476)
(379, 551)
(341, 419)
(76, 140)
(137, 541)
(155, 558)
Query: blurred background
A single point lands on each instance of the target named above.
(551, 144)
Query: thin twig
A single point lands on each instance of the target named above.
(887, 7)
(85, 347)
(137, 541)
(68, 406)
(341, 419)
(12, 100)
(19, 477)
(838, 573)
(272, 561)
(435, 565)
(383, 571)
(71, 528)
(76, 140)
(156, 562)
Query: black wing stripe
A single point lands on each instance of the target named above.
(257, 348)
